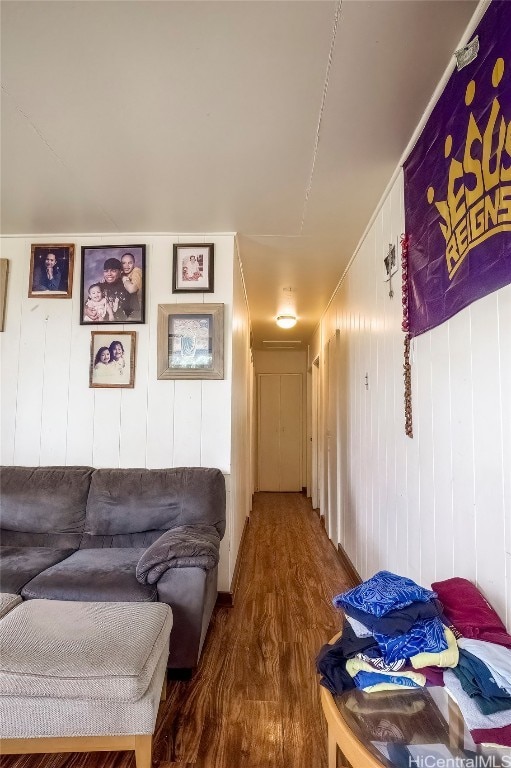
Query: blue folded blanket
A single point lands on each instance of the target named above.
(383, 592)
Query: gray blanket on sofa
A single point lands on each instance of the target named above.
(182, 547)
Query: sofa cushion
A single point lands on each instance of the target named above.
(93, 574)
(125, 501)
(44, 499)
(18, 565)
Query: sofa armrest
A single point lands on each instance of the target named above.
(186, 546)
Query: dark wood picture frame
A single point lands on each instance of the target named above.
(193, 268)
(51, 271)
(112, 284)
(190, 341)
(112, 359)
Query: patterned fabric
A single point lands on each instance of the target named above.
(378, 663)
(79, 650)
(425, 637)
(384, 592)
(7, 602)
(368, 679)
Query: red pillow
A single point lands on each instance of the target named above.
(470, 612)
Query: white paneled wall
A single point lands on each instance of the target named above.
(439, 504)
(242, 422)
(51, 416)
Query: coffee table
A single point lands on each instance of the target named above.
(415, 728)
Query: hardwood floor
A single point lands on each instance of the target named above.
(254, 700)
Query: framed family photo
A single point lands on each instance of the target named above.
(112, 285)
(190, 341)
(51, 271)
(112, 359)
(193, 268)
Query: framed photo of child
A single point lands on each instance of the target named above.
(193, 268)
(112, 359)
(112, 284)
(51, 271)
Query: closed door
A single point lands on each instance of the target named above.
(280, 432)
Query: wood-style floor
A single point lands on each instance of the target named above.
(254, 700)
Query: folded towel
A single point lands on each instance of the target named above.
(446, 658)
(185, 546)
(470, 612)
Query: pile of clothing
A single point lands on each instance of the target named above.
(399, 635)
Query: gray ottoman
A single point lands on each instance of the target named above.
(80, 677)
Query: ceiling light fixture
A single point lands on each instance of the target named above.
(286, 321)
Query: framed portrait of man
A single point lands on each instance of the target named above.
(51, 271)
(112, 284)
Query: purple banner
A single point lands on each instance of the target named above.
(458, 185)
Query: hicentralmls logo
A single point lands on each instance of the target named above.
(477, 761)
(478, 200)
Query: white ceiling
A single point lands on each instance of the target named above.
(282, 121)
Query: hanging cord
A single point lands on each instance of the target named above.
(407, 368)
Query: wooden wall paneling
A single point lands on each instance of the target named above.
(373, 544)
(56, 372)
(442, 456)
(216, 425)
(462, 445)
(387, 400)
(32, 350)
(489, 471)
(133, 425)
(160, 394)
(187, 423)
(107, 428)
(343, 417)
(413, 475)
(504, 317)
(331, 438)
(15, 250)
(401, 440)
(380, 468)
(424, 411)
(339, 428)
(81, 400)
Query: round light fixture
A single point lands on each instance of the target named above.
(286, 321)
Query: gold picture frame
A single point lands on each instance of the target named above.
(190, 341)
(112, 359)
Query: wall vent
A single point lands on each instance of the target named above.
(278, 344)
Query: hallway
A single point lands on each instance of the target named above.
(254, 701)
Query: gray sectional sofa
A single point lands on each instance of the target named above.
(115, 535)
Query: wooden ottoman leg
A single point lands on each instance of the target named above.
(143, 751)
